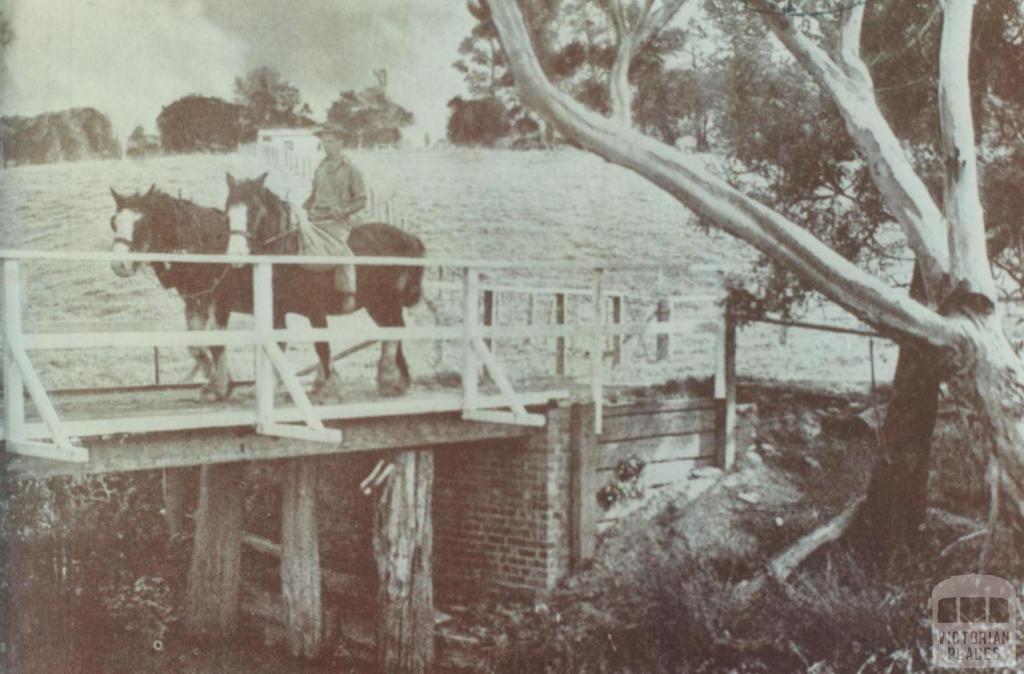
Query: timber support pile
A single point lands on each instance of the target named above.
(403, 548)
(211, 602)
(300, 559)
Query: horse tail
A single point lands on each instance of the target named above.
(412, 293)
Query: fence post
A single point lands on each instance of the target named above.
(470, 317)
(663, 314)
(14, 388)
(489, 316)
(617, 338)
(725, 392)
(263, 324)
(560, 341)
(597, 353)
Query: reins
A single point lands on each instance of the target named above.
(211, 289)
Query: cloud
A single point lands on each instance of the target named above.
(128, 58)
(326, 46)
(123, 57)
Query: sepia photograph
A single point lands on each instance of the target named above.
(511, 336)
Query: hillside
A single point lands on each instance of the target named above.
(68, 135)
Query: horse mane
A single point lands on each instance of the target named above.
(180, 224)
(278, 211)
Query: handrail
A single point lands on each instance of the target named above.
(271, 364)
(356, 260)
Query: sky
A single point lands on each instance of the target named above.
(127, 58)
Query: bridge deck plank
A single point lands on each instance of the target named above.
(188, 432)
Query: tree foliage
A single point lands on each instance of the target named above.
(6, 32)
(200, 124)
(68, 135)
(481, 121)
(369, 117)
(268, 100)
(141, 144)
(575, 44)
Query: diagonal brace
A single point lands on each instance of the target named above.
(519, 413)
(62, 448)
(315, 426)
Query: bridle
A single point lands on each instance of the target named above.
(270, 239)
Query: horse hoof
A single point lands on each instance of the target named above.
(327, 390)
(392, 389)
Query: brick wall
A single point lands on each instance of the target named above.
(501, 513)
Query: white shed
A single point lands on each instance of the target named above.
(300, 142)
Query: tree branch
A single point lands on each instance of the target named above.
(964, 216)
(849, 43)
(905, 194)
(692, 185)
(654, 22)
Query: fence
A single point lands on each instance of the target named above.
(52, 438)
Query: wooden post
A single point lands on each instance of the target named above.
(211, 600)
(560, 341)
(531, 300)
(263, 324)
(583, 508)
(403, 547)
(663, 315)
(176, 498)
(489, 315)
(14, 387)
(470, 317)
(616, 339)
(300, 559)
(597, 352)
(725, 391)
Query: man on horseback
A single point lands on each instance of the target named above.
(337, 197)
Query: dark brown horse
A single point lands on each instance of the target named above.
(156, 222)
(383, 291)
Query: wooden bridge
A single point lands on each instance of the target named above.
(75, 425)
(50, 433)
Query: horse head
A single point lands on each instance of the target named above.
(131, 224)
(248, 214)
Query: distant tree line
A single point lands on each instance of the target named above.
(263, 99)
(69, 135)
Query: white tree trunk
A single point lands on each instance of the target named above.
(619, 90)
(967, 243)
(989, 376)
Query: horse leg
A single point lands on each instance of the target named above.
(392, 370)
(327, 383)
(196, 318)
(220, 382)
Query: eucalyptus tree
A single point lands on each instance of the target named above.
(958, 317)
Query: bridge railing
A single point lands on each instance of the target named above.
(54, 438)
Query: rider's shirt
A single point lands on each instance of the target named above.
(337, 186)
